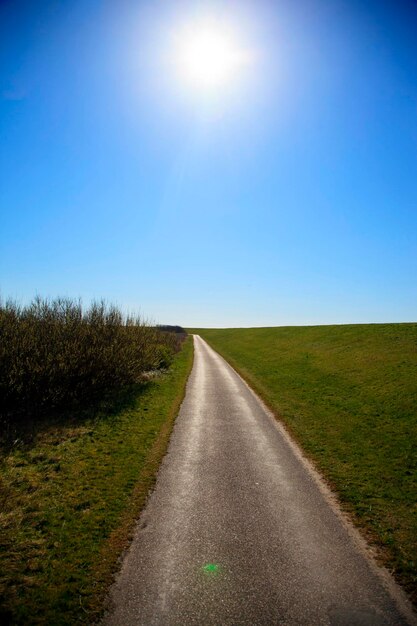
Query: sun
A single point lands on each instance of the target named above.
(209, 55)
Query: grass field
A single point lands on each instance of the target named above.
(69, 499)
(348, 394)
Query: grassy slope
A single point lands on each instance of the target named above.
(68, 503)
(349, 396)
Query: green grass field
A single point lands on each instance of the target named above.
(348, 394)
(69, 500)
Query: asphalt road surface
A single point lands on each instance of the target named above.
(240, 531)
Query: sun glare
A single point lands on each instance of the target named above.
(209, 55)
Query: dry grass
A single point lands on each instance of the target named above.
(70, 497)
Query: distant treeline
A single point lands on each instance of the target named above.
(179, 330)
(56, 353)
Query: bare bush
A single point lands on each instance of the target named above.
(55, 353)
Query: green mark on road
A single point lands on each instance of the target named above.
(211, 568)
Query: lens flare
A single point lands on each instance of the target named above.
(211, 568)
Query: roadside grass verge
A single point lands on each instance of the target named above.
(69, 500)
(348, 394)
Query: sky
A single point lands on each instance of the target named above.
(285, 196)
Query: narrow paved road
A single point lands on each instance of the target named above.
(238, 530)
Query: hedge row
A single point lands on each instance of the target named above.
(56, 353)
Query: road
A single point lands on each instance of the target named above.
(240, 530)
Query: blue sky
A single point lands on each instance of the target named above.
(288, 197)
